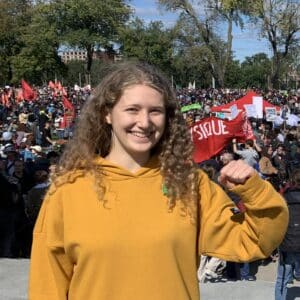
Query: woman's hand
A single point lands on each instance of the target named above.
(234, 173)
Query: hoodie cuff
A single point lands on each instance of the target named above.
(251, 189)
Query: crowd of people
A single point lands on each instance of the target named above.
(34, 134)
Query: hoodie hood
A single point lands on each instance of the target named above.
(115, 172)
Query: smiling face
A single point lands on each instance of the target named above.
(138, 122)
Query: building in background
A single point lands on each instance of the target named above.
(81, 55)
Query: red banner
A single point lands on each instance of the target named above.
(212, 135)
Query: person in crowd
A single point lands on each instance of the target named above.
(128, 207)
(21, 134)
(266, 168)
(47, 140)
(289, 249)
(59, 126)
(8, 199)
(33, 128)
(249, 154)
(43, 118)
(280, 162)
(41, 161)
(236, 270)
(53, 158)
(35, 196)
(210, 268)
(279, 136)
(265, 164)
(23, 117)
(296, 158)
(26, 152)
(11, 156)
(23, 182)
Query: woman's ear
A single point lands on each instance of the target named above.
(108, 118)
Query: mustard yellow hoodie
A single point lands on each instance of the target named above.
(133, 248)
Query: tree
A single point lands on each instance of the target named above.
(192, 58)
(233, 75)
(279, 23)
(255, 71)
(38, 59)
(186, 71)
(89, 24)
(15, 15)
(151, 43)
(219, 52)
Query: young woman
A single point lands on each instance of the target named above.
(128, 213)
(289, 250)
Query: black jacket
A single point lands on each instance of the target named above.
(291, 241)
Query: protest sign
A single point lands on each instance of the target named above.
(258, 103)
(190, 107)
(270, 113)
(250, 110)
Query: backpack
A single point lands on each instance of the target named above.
(291, 241)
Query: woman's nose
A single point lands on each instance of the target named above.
(144, 120)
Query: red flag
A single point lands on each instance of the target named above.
(211, 135)
(67, 104)
(59, 89)
(64, 92)
(51, 84)
(28, 92)
(58, 85)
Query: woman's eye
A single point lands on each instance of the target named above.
(131, 109)
(156, 111)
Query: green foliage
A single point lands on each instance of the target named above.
(75, 72)
(89, 24)
(31, 33)
(233, 75)
(150, 43)
(218, 50)
(279, 24)
(38, 60)
(186, 70)
(255, 71)
(76, 69)
(14, 17)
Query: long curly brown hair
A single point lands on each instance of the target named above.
(92, 136)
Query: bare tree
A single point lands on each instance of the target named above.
(279, 22)
(218, 56)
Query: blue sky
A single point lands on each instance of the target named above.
(245, 43)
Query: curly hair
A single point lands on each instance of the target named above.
(92, 136)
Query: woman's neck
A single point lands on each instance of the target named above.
(128, 162)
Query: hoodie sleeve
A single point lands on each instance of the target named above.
(243, 237)
(50, 268)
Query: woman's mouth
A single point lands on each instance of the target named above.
(141, 134)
